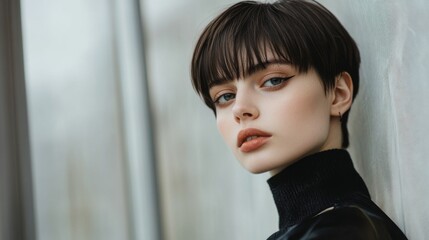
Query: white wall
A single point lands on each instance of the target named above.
(389, 119)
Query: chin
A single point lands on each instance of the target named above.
(274, 166)
(256, 171)
(256, 168)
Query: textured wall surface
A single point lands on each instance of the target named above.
(206, 194)
(389, 118)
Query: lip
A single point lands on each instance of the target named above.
(262, 138)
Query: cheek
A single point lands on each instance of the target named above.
(314, 114)
(312, 107)
(306, 117)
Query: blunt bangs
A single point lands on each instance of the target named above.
(241, 38)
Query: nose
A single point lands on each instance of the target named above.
(244, 108)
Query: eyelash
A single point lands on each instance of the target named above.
(217, 101)
(282, 81)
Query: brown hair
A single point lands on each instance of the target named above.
(302, 33)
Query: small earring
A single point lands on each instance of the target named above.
(341, 117)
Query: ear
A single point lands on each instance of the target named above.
(342, 94)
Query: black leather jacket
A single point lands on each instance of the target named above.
(323, 197)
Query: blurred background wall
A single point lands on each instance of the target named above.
(90, 130)
(122, 148)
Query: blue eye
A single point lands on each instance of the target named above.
(272, 82)
(224, 98)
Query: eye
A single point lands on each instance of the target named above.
(224, 98)
(275, 81)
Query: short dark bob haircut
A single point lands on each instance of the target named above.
(299, 32)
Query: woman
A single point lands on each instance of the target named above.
(281, 78)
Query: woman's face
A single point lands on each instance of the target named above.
(274, 116)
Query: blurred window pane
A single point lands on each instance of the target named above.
(86, 177)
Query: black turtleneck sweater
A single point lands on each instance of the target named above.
(327, 181)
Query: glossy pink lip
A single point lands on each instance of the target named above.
(253, 144)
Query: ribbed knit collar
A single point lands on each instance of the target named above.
(314, 183)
